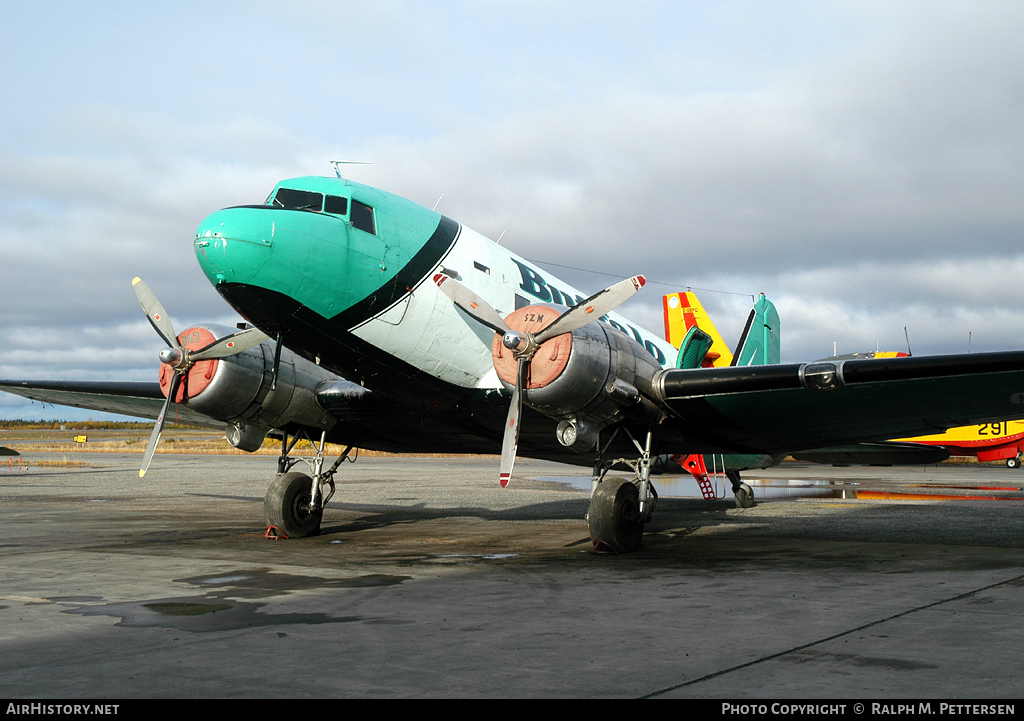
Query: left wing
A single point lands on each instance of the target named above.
(142, 399)
(785, 408)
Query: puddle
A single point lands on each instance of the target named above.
(226, 603)
(202, 614)
(262, 583)
(686, 487)
(187, 609)
(223, 580)
(485, 556)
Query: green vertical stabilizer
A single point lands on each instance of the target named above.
(760, 342)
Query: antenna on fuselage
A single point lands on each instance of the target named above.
(438, 202)
(336, 163)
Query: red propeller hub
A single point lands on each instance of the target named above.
(199, 375)
(551, 357)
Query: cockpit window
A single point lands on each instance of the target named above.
(298, 199)
(336, 205)
(362, 217)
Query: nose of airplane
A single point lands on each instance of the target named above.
(232, 245)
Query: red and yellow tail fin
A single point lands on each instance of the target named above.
(684, 311)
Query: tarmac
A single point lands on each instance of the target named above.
(431, 581)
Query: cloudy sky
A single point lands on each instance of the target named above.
(861, 163)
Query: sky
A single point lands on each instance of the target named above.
(860, 163)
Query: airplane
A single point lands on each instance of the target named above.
(999, 441)
(377, 323)
(987, 441)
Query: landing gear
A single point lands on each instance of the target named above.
(614, 516)
(1013, 462)
(696, 466)
(744, 494)
(287, 506)
(619, 507)
(294, 504)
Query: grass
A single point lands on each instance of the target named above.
(183, 441)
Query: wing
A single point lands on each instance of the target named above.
(130, 398)
(785, 408)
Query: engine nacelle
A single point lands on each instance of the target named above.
(237, 389)
(588, 378)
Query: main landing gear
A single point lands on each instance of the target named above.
(620, 507)
(294, 504)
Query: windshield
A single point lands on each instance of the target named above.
(298, 199)
(308, 200)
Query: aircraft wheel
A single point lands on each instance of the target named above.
(614, 516)
(285, 506)
(1013, 462)
(744, 496)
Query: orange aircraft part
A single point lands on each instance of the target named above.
(200, 375)
(551, 357)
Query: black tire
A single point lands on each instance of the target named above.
(1013, 462)
(744, 496)
(614, 516)
(286, 506)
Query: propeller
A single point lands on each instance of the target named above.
(524, 345)
(182, 359)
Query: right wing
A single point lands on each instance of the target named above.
(787, 408)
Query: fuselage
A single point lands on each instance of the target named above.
(342, 272)
(988, 441)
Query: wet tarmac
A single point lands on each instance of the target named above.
(429, 580)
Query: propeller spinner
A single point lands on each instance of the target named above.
(524, 344)
(181, 359)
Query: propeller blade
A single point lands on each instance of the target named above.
(510, 441)
(154, 309)
(592, 308)
(230, 345)
(159, 426)
(474, 306)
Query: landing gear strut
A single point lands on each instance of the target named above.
(294, 504)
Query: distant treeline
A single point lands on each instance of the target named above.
(85, 425)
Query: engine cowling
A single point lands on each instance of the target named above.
(237, 389)
(588, 378)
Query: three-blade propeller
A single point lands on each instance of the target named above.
(181, 359)
(524, 345)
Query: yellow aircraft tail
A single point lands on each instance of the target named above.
(688, 327)
(683, 312)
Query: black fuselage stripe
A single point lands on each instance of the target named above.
(406, 280)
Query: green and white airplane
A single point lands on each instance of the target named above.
(376, 323)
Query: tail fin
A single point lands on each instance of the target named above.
(683, 312)
(760, 342)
